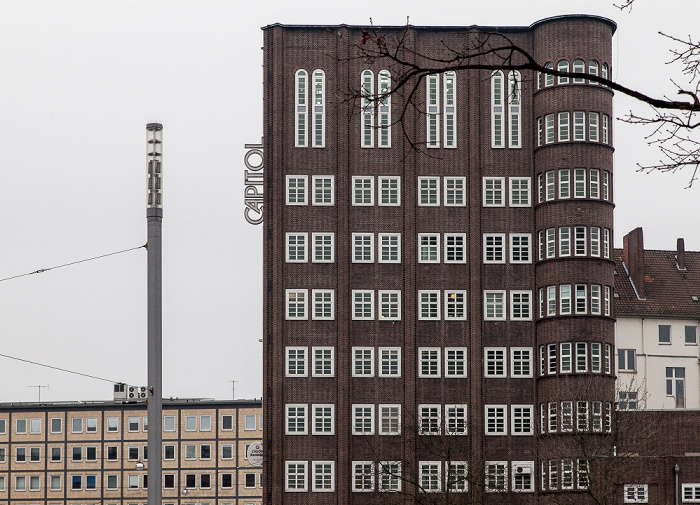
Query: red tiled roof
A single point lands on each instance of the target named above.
(668, 290)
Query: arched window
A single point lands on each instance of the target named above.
(384, 109)
(579, 68)
(549, 78)
(450, 109)
(514, 107)
(593, 69)
(433, 110)
(563, 66)
(301, 108)
(497, 109)
(319, 108)
(604, 71)
(367, 108)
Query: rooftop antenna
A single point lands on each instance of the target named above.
(48, 386)
(233, 389)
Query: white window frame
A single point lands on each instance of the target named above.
(429, 362)
(390, 248)
(297, 359)
(430, 476)
(521, 300)
(429, 304)
(319, 415)
(323, 190)
(549, 129)
(455, 362)
(364, 471)
(631, 493)
(301, 108)
(384, 108)
(455, 305)
(579, 126)
(456, 419)
(514, 102)
(389, 191)
(326, 305)
(494, 196)
(496, 472)
(392, 357)
(299, 315)
(495, 362)
(432, 249)
(299, 413)
(428, 189)
(495, 305)
(563, 132)
(522, 356)
(300, 193)
(367, 111)
(323, 476)
(361, 357)
(519, 469)
(520, 196)
(313, 249)
(366, 302)
(454, 191)
(564, 183)
(360, 414)
(496, 420)
(389, 301)
(389, 419)
(494, 253)
(521, 247)
(365, 197)
(390, 476)
(498, 100)
(298, 247)
(432, 110)
(362, 243)
(301, 469)
(453, 250)
(316, 361)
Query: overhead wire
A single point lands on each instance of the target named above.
(58, 368)
(42, 270)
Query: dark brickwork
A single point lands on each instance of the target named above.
(333, 49)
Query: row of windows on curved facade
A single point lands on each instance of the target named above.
(567, 183)
(572, 127)
(578, 66)
(386, 362)
(575, 299)
(567, 241)
(580, 416)
(576, 357)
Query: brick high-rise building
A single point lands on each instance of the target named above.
(438, 291)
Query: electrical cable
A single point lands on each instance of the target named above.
(42, 270)
(57, 368)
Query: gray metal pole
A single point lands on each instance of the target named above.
(154, 217)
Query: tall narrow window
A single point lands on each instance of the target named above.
(563, 66)
(579, 67)
(579, 125)
(367, 108)
(593, 126)
(549, 128)
(433, 110)
(301, 113)
(606, 134)
(563, 127)
(384, 106)
(549, 78)
(514, 107)
(319, 111)
(450, 109)
(593, 70)
(497, 109)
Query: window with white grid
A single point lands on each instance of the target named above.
(363, 361)
(296, 419)
(296, 247)
(494, 189)
(430, 476)
(323, 189)
(389, 247)
(389, 190)
(389, 361)
(455, 191)
(495, 362)
(639, 493)
(496, 476)
(520, 244)
(295, 472)
(457, 476)
(296, 303)
(521, 305)
(390, 476)
(429, 191)
(455, 361)
(494, 247)
(429, 362)
(496, 419)
(455, 248)
(389, 305)
(362, 304)
(429, 304)
(323, 362)
(362, 190)
(363, 419)
(389, 419)
(495, 305)
(362, 476)
(296, 361)
(323, 476)
(296, 189)
(521, 419)
(455, 419)
(428, 248)
(323, 247)
(324, 307)
(363, 247)
(455, 305)
(521, 362)
(323, 419)
(519, 191)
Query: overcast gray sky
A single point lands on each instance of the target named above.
(79, 80)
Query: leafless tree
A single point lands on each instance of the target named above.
(673, 122)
